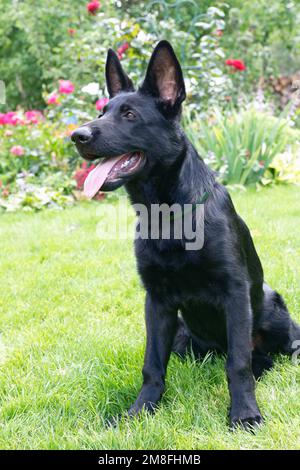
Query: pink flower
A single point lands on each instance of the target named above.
(66, 87)
(11, 119)
(101, 103)
(71, 31)
(2, 117)
(52, 99)
(15, 120)
(93, 6)
(219, 32)
(32, 116)
(17, 150)
(8, 133)
(123, 48)
(237, 64)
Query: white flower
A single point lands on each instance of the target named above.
(91, 88)
(142, 36)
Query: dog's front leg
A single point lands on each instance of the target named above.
(161, 325)
(244, 410)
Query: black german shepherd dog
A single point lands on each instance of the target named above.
(219, 290)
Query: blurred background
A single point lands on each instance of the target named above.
(241, 62)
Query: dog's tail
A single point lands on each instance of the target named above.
(279, 333)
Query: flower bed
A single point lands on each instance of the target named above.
(39, 166)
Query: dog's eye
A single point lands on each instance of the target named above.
(129, 115)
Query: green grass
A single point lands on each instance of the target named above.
(72, 339)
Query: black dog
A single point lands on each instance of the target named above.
(219, 290)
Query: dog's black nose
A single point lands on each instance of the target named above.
(83, 135)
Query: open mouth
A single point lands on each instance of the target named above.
(111, 170)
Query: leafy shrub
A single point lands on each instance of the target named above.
(38, 149)
(266, 34)
(62, 40)
(240, 145)
(37, 160)
(285, 167)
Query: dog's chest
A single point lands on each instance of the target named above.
(171, 272)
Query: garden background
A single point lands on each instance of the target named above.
(66, 295)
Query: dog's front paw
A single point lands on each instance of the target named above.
(248, 419)
(138, 407)
(250, 423)
(113, 421)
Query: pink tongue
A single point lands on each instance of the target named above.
(98, 175)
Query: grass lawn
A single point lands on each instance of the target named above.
(72, 339)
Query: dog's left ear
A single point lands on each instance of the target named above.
(164, 78)
(116, 79)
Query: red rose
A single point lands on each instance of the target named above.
(123, 48)
(237, 64)
(93, 6)
(81, 174)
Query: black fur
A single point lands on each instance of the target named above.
(219, 290)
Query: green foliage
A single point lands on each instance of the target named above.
(240, 145)
(45, 149)
(266, 34)
(285, 168)
(30, 30)
(39, 194)
(46, 52)
(42, 175)
(83, 56)
(37, 48)
(45, 42)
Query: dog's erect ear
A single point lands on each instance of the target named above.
(164, 77)
(116, 79)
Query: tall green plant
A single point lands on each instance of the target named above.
(241, 145)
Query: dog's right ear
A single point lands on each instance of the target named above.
(116, 79)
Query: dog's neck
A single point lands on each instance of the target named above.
(185, 182)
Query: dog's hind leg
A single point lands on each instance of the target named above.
(185, 344)
(182, 340)
(275, 332)
(260, 363)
